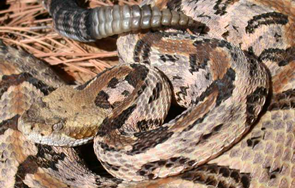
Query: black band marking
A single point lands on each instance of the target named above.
(156, 92)
(266, 19)
(150, 139)
(110, 124)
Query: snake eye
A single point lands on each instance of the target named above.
(42, 104)
(30, 113)
(58, 126)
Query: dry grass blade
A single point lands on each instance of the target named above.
(26, 24)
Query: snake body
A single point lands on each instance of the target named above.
(220, 74)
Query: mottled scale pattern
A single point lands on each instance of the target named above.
(232, 72)
(267, 153)
(147, 92)
(22, 162)
(26, 164)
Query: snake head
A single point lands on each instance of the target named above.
(61, 119)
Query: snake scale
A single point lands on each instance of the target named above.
(232, 73)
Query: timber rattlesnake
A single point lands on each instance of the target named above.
(222, 86)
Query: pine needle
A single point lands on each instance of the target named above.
(26, 24)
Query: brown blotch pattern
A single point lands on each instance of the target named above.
(219, 63)
(170, 46)
(283, 77)
(28, 166)
(7, 69)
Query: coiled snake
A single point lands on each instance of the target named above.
(234, 75)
